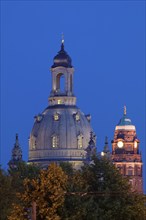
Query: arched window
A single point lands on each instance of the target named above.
(80, 141)
(60, 83)
(54, 141)
(139, 171)
(130, 171)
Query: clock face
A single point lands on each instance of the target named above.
(135, 144)
(120, 144)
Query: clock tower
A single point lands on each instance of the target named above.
(126, 154)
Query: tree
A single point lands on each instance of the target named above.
(47, 190)
(11, 183)
(7, 194)
(114, 195)
(96, 191)
(22, 171)
(99, 191)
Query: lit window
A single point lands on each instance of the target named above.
(80, 141)
(102, 153)
(54, 141)
(59, 101)
(135, 144)
(76, 116)
(34, 145)
(56, 116)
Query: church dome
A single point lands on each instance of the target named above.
(62, 58)
(60, 133)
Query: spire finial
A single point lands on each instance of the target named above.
(16, 136)
(106, 140)
(62, 42)
(62, 38)
(125, 110)
(16, 141)
(106, 147)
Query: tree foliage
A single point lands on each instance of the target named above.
(6, 194)
(47, 190)
(11, 183)
(96, 191)
(22, 171)
(99, 191)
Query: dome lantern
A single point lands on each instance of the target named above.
(62, 79)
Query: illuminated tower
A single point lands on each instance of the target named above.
(62, 131)
(125, 152)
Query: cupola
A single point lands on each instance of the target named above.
(62, 58)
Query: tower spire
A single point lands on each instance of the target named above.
(16, 141)
(16, 154)
(106, 152)
(125, 111)
(106, 147)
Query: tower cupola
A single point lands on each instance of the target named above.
(62, 79)
(62, 58)
(125, 122)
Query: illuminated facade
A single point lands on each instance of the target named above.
(62, 132)
(126, 154)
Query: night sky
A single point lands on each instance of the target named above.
(106, 41)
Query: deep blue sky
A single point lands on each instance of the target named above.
(106, 40)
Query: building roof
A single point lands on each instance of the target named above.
(65, 126)
(125, 122)
(62, 59)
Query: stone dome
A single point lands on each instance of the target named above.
(60, 133)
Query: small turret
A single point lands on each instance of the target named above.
(16, 154)
(91, 149)
(106, 150)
